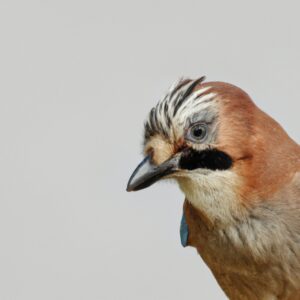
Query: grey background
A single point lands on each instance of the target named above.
(77, 80)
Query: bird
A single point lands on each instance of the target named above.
(240, 173)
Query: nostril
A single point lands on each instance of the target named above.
(150, 152)
(159, 149)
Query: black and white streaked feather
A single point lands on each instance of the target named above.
(181, 103)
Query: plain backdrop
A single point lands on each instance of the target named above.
(77, 79)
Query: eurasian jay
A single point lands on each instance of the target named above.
(240, 173)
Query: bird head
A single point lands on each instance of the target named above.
(218, 145)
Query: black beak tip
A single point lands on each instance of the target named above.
(129, 188)
(133, 187)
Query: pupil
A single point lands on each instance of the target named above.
(198, 132)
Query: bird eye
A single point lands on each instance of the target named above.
(197, 133)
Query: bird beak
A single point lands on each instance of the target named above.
(146, 173)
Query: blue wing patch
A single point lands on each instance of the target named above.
(184, 231)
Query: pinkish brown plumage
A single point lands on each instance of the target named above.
(240, 173)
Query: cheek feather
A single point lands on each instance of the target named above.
(215, 194)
